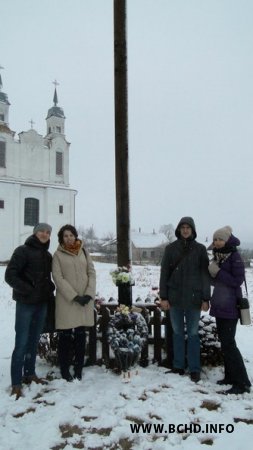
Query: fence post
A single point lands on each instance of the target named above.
(105, 313)
(157, 335)
(92, 359)
(144, 354)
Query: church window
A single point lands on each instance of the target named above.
(2, 154)
(58, 129)
(1, 204)
(2, 117)
(49, 130)
(59, 163)
(60, 209)
(144, 254)
(31, 211)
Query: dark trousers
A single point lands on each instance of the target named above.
(169, 340)
(29, 324)
(235, 370)
(71, 348)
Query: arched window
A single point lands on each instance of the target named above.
(2, 154)
(31, 211)
(59, 163)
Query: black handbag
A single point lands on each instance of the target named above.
(49, 326)
(244, 309)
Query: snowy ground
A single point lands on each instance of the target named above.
(97, 412)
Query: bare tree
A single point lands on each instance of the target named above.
(109, 236)
(89, 236)
(169, 231)
(81, 232)
(90, 233)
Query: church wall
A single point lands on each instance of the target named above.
(54, 198)
(12, 216)
(29, 159)
(30, 172)
(9, 193)
(58, 144)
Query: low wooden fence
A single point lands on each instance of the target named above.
(159, 345)
(98, 335)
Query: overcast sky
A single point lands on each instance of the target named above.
(190, 80)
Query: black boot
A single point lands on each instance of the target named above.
(64, 353)
(224, 381)
(79, 350)
(236, 390)
(66, 375)
(78, 373)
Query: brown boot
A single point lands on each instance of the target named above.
(17, 391)
(34, 379)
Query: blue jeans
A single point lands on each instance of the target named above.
(192, 317)
(28, 326)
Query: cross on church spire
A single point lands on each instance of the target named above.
(55, 82)
(32, 123)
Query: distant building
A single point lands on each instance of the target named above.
(146, 247)
(34, 178)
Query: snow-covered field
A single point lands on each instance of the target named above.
(98, 412)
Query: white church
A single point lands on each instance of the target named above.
(34, 179)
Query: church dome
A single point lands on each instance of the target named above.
(55, 111)
(4, 98)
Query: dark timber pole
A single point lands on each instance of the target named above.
(121, 141)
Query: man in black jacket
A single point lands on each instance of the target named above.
(29, 274)
(185, 291)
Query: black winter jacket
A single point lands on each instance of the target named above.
(29, 272)
(185, 279)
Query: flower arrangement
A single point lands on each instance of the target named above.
(123, 309)
(122, 275)
(127, 334)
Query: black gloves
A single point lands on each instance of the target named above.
(82, 300)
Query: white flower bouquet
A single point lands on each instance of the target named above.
(122, 275)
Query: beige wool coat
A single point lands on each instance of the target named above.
(73, 275)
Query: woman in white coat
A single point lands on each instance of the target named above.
(75, 279)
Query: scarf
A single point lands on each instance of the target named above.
(221, 254)
(73, 248)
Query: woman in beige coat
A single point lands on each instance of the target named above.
(75, 279)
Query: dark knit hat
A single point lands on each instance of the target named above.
(223, 233)
(42, 227)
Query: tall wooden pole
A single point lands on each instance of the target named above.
(121, 135)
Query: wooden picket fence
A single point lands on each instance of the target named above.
(158, 348)
(98, 347)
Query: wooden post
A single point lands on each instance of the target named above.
(121, 136)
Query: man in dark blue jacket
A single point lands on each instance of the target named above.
(185, 291)
(29, 274)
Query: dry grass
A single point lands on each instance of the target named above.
(27, 411)
(210, 405)
(89, 418)
(68, 430)
(154, 416)
(247, 421)
(207, 441)
(134, 419)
